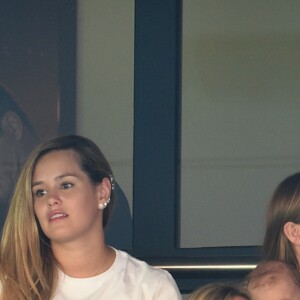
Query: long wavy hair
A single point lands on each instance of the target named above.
(284, 207)
(27, 266)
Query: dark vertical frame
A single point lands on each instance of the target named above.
(157, 124)
(156, 133)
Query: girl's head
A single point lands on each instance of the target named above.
(274, 280)
(283, 219)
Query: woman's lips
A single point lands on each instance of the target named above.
(57, 215)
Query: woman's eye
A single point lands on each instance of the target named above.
(67, 185)
(40, 193)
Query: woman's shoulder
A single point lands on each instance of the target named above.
(148, 276)
(138, 265)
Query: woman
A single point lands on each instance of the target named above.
(282, 236)
(220, 291)
(53, 241)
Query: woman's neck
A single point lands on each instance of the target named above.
(83, 260)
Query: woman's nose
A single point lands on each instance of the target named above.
(53, 199)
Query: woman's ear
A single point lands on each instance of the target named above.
(104, 189)
(292, 232)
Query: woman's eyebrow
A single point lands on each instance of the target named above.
(56, 178)
(36, 183)
(66, 175)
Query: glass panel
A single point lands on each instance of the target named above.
(105, 99)
(240, 112)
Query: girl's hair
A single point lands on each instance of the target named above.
(27, 265)
(284, 207)
(219, 291)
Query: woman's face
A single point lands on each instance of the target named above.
(65, 199)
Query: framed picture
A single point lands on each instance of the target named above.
(37, 59)
(37, 80)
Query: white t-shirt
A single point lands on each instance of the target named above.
(127, 279)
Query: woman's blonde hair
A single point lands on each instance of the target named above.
(27, 266)
(284, 207)
(219, 291)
